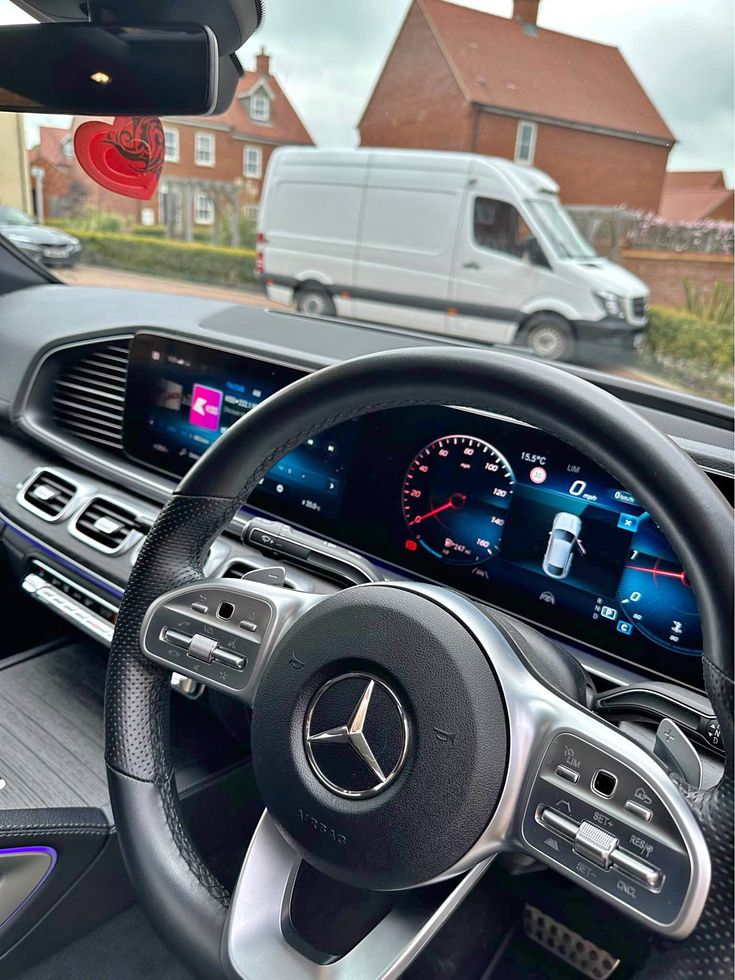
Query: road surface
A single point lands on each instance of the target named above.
(88, 275)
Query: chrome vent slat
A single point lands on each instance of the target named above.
(106, 524)
(89, 398)
(92, 410)
(48, 494)
(87, 391)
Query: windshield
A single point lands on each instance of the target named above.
(433, 166)
(12, 216)
(564, 235)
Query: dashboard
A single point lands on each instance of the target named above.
(487, 505)
(110, 396)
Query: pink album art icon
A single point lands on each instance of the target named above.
(206, 405)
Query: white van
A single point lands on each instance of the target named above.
(452, 243)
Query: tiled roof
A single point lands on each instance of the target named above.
(284, 126)
(694, 180)
(518, 68)
(693, 205)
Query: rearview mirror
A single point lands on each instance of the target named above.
(88, 69)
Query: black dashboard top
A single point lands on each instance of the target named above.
(36, 320)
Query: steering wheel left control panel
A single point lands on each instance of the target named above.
(221, 635)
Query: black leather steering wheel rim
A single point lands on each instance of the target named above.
(183, 899)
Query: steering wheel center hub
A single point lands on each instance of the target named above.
(380, 737)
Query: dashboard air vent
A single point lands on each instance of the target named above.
(48, 494)
(89, 396)
(106, 525)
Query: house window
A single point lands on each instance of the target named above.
(525, 142)
(498, 226)
(67, 147)
(203, 210)
(172, 145)
(204, 149)
(253, 161)
(260, 107)
(251, 212)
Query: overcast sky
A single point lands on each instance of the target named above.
(327, 54)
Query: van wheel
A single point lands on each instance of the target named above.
(549, 336)
(314, 301)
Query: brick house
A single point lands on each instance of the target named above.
(696, 195)
(232, 148)
(461, 79)
(54, 155)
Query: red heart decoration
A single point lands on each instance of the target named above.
(125, 156)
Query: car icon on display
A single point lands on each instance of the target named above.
(564, 534)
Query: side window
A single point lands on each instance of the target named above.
(498, 226)
(525, 142)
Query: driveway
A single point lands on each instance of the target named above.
(91, 275)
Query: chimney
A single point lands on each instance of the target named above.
(263, 62)
(526, 11)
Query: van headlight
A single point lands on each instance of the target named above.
(612, 304)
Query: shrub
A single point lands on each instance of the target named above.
(692, 352)
(90, 220)
(180, 260)
(160, 231)
(714, 306)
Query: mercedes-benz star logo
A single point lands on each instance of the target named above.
(361, 757)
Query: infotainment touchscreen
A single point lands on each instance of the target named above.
(181, 397)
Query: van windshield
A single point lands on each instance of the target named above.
(567, 241)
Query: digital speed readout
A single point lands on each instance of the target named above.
(456, 495)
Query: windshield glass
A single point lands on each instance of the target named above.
(564, 235)
(12, 216)
(432, 166)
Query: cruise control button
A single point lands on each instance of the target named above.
(642, 812)
(228, 659)
(202, 647)
(564, 826)
(571, 775)
(594, 844)
(200, 607)
(645, 873)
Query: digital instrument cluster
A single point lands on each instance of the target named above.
(487, 505)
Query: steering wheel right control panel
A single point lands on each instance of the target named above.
(600, 822)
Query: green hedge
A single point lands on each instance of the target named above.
(179, 260)
(691, 352)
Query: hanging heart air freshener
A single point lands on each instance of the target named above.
(125, 156)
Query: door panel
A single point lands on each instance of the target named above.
(492, 279)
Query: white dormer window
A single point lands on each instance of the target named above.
(260, 107)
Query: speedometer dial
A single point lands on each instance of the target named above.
(456, 496)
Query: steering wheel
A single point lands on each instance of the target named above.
(400, 734)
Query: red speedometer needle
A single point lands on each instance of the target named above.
(657, 571)
(454, 503)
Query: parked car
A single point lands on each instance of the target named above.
(40, 242)
(560, 550)
(453, 243)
